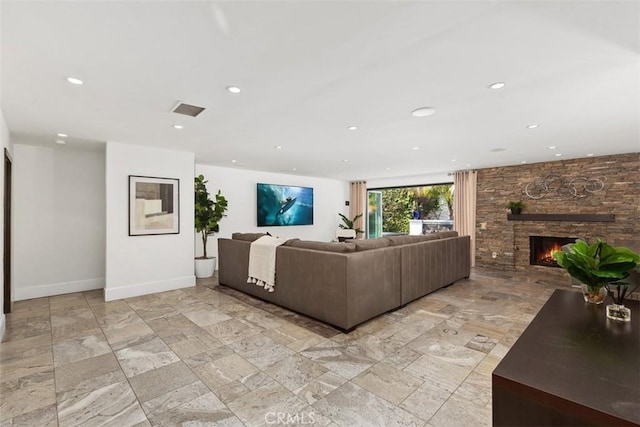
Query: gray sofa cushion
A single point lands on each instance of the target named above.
(407, 240)
(248, 237)
(290, 242)
(322, 246)
(446, 234)
(402, 240)
(367, 244)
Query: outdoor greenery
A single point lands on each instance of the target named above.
(431, 202)
(397, 207)
(447, 196)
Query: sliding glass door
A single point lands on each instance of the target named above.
(374, 214)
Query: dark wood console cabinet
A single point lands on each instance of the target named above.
(571, 367)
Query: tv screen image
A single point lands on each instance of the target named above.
(284, 205)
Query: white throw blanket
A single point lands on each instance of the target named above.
(262, 262)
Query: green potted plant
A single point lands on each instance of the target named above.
(596, 266)
(516, 207)
(349, 224)
(208, 214)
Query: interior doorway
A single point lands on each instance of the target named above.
(7, 233)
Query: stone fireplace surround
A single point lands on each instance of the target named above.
(617, 209)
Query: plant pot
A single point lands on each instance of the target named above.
(593, 295)
(516, 211)
(205, 267)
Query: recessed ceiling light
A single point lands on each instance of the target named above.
(75, 81)
(553, 147)
(278, 147)
(558, 154)
(59, 141)
(468, 165)
(590, 155)
(62, 135)
(233, 89)
(294, 169)
(423, 111)
(234, 161)
(415, 148)
(497, 150)
(454, 160)
(497, 85)
(352, 128)
(178, 126)
(388, 169)
(523, 162)
(346, 160)
(532, 126)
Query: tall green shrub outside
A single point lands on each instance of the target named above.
(397, 209)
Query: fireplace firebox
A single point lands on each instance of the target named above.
(542, 248)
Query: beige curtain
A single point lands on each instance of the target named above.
(464, 207)
(358, 202)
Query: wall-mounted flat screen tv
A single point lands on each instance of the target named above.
(284, 205)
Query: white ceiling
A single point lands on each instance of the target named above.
(308, 70)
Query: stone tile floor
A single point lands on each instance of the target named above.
(209, 355)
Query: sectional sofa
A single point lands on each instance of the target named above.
(346, 284)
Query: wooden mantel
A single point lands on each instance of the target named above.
(563, 217)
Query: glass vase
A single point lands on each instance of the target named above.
(593, 295)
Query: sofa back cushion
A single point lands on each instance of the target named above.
(446, 234)
(406, 240)
(322, 246)
(367, 244)
(248, 237)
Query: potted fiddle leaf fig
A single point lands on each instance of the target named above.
(596, 266)
(208, 214)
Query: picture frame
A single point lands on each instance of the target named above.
(283, 205)
(154, 205)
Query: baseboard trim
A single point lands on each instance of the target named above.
(3, 326)
(30, 292)
(138, 289)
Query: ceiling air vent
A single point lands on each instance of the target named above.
(187, 109)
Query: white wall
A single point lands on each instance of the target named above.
(239, 187)
(5, 142)
(405, 181)
(59, 220)
(139, 265)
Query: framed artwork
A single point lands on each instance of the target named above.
(154, 205)
(284, 205)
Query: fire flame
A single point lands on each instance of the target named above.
(542, 249)
(548, 255)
